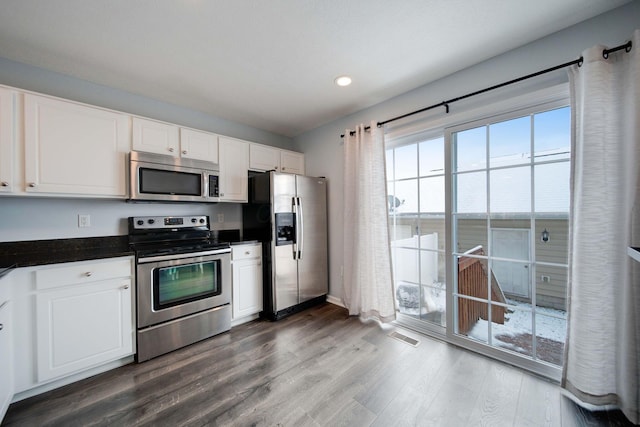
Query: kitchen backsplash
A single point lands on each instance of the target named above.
(23, 218)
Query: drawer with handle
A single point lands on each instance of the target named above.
(250, 251)
(83, 272)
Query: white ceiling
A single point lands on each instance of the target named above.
(271, 64)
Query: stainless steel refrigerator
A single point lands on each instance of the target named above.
(288, 214)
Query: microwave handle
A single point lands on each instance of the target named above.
(205, 184)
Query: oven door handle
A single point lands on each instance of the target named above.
(182, 256)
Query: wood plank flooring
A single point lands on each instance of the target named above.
(319, 367)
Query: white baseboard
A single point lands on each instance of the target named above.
(334, 300)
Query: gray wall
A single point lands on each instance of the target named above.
(323, 146)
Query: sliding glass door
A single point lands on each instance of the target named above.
(501, 233)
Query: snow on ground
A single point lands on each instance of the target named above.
(550, 324)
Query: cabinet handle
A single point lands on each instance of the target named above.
(184, 151)
(283, 168)
(1, 326)
(221, 194)
(5, 184)
(32, 184)
(125, 287)
(88, 274)
(247, 253)
(171, 149)
(275, 167)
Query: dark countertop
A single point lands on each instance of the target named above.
(41, 252)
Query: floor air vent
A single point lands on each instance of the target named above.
(404, 338)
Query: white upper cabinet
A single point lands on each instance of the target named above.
(198, 145)
(7, 139)
(169, 139)
(234, 168)
(265, 158)
(74, 149)
(155, 137)
(292, 162)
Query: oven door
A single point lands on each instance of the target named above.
(173, 286)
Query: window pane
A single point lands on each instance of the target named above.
(511, 190)
(432, 194)
(472, 232)
(469, 319)
(471, 192)
(406, 197)
(556, 247)
(551, 334)
(406, 162)
(515, 333)
(551, 289)
(552, 134)
(432, 157)
(552, 187)
(471, 149)
(431, 224)
(510, 142)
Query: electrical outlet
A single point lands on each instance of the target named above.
(545, 278)
(220, 217)
(84, 220)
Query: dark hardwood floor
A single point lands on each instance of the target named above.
(316, 368)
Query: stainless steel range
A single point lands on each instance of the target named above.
(183, 282)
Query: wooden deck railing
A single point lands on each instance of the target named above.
(472, 281)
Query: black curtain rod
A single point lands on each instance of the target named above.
(605, 54)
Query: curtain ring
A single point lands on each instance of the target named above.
(628, 47)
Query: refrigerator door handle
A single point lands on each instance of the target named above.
(300, 226)
(294, 246)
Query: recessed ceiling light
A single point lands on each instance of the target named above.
(343, 80)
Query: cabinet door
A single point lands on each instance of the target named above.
(247, 288)
(234, 167)
(82, 326)
(198, 145)
(292, 162)
(7, 139)
(74, 149)
(155, 137)
(264, 158)
(6, 358)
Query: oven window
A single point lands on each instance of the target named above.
(156, 181)
(185, 283)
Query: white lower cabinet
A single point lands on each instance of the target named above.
(71, 318)
(247, 281)
(6, 358)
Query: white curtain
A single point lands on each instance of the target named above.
(602, 359)
(368, 282)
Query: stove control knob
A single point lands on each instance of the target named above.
(201, 220)
(140, 222)
(194, 220)
(151, 221)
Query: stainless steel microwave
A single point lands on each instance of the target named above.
(156, 177)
